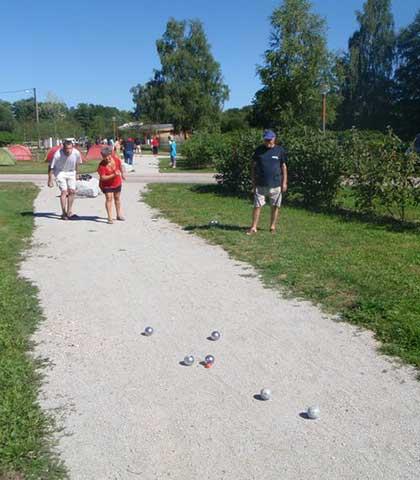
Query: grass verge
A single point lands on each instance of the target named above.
(25, 430)
(181, 167)
(42, 167)
(368, 272)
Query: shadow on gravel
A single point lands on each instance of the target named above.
(55, 216)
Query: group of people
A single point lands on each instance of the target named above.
(268, 173)
(64, 166)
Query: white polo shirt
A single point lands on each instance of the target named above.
(63, 163)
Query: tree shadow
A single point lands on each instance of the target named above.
(56, 216)
(348, 215)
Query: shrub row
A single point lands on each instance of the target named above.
(379, 168)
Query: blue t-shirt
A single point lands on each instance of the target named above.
(268, 165)
(173, 149)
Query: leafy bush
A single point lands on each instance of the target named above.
(6, 138)
(205, 149)
(315, 165)
(235, 165)
(384, 174)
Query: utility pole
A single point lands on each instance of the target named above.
(324, 90)
(114, 127)
(37, 118)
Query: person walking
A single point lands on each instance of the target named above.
(64, 166)
(155, 145)
(269, 179)
(111, 175)
(172, 151)
(128, 148)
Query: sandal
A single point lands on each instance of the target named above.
(251, 231)
(110, 221)
(121, 219)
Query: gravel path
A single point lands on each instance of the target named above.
(130, 410)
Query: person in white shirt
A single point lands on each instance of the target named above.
(64, 165)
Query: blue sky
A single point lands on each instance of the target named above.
(94, 51)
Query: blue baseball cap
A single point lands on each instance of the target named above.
(269, 135)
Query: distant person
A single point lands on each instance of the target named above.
(64, 165)
(111, 175)
(269, 179)
(155, 145)
(172, 151)
(117, 146)
(138, 145)
(128, 150)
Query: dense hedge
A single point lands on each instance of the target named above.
(379, 168)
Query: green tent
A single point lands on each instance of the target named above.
(6, 158)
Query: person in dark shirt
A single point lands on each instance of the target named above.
(128, 148)
(269, 179)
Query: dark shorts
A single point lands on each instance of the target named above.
(112, 190)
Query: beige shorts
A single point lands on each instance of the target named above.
(273, 193)
(66, 181)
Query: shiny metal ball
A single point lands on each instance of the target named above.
(313, 412)
(265, 394)
(148, 331)
(209, 359)
(215, 335)
(189, 360)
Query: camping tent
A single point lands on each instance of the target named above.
(94, 152)
(20, 152)
(6, 157)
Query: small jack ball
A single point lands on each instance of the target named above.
(189, 360)
(313, 412)
(215, 335)
(209, 359)
(148, 331)
(265, 394)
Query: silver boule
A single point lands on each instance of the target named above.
(209, 359)
(189, 360)
(148, 331)
(265, 394)
(313, 412)
(215, 335)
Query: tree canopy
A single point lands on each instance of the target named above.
(188, 90)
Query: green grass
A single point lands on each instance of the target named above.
(42, 167)
(25, 431)
(181, 167)
(367, 272)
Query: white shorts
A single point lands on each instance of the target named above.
(66, 181)
(273, 193)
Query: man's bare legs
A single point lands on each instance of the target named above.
(255, 220)
(63, 201)
(274, 217)
(70, 200)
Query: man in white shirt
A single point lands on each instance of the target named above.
(64, 166)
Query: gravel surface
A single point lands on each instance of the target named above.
(129, 409)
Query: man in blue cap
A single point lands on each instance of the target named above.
(269, 179)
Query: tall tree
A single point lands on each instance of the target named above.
(371, 59)
(188, 90)
(7, 121)
(296, 66)
(408, 78)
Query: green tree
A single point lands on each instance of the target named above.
(7, 121)
(296, 65)
(235, 119)
(188, 90)
(24, 110)
(408, 78)
(370, 67)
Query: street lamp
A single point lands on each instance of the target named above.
(324, 90)
(28, 90)
(114, 119)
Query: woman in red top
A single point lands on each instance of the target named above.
(111, 176)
